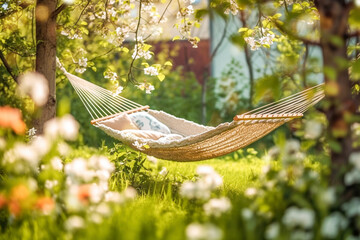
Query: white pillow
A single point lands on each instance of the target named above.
(147, 134)
(145, 121)
(120, 122)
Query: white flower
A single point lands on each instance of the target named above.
(152, 71)
(114, 197)
(96, 193)
(139, 145)
(129, 193)
(78, 169)
(69, 127)
(41, 145)
(56, 163)
(313, 129)
(352, 177)
(31, 132)
(352, 208)
(272, 231)
(74, 222)
(163, 171)
(333, 224)
(292, 152)
(209, 179)
(152, 159)
(247, 213)
(66, 127)
(63, 149)
(188, 190)
(216, 207)
(111, 75)
(36, 86)
(69, 2)
(250, 192)
(147, 87)
(354, 159)
(208, 231)
(51, 184)
(294, 216)
(118, 91)
(82, 62)
(139, 52)
(80, 70)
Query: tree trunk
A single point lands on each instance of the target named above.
(340, 104)
(46, 56)
(248, 62)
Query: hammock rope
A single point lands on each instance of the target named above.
(199, 142)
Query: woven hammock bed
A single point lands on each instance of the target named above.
(198, 142)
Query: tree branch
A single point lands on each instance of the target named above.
(293, 35)
(59, 10)
(82, 12)
(11, 11)
(353, 34)
(7, 66)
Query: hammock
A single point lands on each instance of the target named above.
(198, 142)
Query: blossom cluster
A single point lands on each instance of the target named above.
(260, 37)
(208, 181)
(147, 87)
(39, 179)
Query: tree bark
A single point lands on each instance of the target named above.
(46, 56)
(340, 103)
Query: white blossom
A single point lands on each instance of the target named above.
(56, 163)
(114, 197)
(313, 129)
(111, 75)
(272, 231)
(209, 179)
(65, 127)
(31, 132)
(250, 192)
(163, 171)
(139, 145)
(217, 206)
(51, 184)
(152, 71)
(118, 91)
(41, 145)
(352, 208)
(233, 8)
(36, 86)
(74, 222)
(354, 159)
(247, 213)
(147, 87)
(208, 231)
(333, 224)
(295, 216)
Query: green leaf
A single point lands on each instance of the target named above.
(243, 29)
(125, 49)
(145, 64)
(168, 63)
(276, 16)
(176, 38)
(161, 77)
